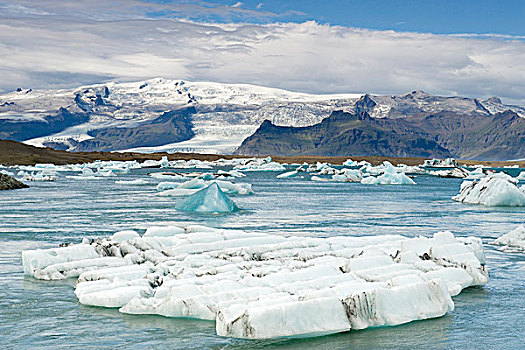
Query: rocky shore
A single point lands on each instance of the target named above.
(9, 183)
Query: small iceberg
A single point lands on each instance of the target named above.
(390, 177)
(210, 199)
(458, 173)
(498, 190)
(192, 186)
(441, 163)
(514, 240)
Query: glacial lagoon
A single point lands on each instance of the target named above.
(46, 314)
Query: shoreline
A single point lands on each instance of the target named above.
(16, 153)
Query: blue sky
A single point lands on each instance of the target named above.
(468, 48)
(433, 16)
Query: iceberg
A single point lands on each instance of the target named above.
(441, 163)
(256, 285)
(348, 175)
(288, 174)
(521, 176)
(210, 199)
(494, 190)
(349, 162)
(38, 177)
(514, 240)
(390, 177)
(456, 172)
(260, 164)
(192, 186)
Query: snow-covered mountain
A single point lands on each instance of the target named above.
(175, 115)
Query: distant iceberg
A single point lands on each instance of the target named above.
(192, 186)
(210, 199)
(494, 190)
(390, 176)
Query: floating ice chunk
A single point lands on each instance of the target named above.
(86, 174)
(514, 240)
(38, 177)
(164, 162)
(348, 175)
(320, 179)
(260, 164)
(521, 176)
(258, 285)
(137, 182)
(192, 186)
(231, 188)
(495, 190)
(327, 171)
(388, 179)
(445, 163)
(477, 173)
(453, 173)
(7, 172)
(168, 176)
(105, 173)
(298, 319)
(350, 162)
(288, 174)
(208, 200)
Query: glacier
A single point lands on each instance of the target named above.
(259, 285)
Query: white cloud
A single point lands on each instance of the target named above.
(306, 57)
(237, 4)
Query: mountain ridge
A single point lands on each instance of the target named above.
(110, 116)
(439, 135)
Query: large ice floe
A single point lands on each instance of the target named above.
(258, 285)
(494, 190)
(514, 240)
(210, 199)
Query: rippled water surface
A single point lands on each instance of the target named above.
(43, 314)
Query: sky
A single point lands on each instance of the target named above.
(467, 48)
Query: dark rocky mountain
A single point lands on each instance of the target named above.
(170, 127)
(443, 134)
(23, 129)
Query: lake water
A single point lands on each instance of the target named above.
(44, 314)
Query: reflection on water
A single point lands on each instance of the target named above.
(47, 314)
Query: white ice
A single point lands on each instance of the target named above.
(257, 285)
(210, 199)
(494, 190)
(514, 240)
